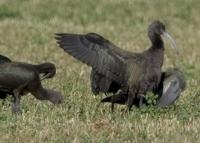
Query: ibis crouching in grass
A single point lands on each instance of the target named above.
(133, 73)
(17, 79)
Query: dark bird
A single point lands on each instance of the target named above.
(46, 70)
(99, 83)
(17, 79)
(20, 78)
(133, 73)
(3, 59)
(171, 85)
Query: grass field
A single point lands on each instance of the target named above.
(27, 30)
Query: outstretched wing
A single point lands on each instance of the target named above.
(96, 52)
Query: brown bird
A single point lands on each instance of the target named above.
(18, 79)
(133, 73)
(46, 70)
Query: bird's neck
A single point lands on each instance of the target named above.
(156, 51)
(157, 48)
(157, 42)
(156, 56)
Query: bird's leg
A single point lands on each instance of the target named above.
(130, 101)
(112, 104)
(141, 100)
(16, 102)
(112, 107)
(17, 97)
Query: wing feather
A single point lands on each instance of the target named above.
(96, 52)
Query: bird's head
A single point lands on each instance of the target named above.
(156, 29)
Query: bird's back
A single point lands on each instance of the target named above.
(14, 74)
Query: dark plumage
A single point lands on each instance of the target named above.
(3, 59)
(133, 73)
(171, 85)
(99, 83)
(46, 70)
(17, 79)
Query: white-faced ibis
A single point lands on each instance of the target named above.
(133, 73)
(19, 78)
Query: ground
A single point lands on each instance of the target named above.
(27, 30)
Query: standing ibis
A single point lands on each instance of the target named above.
(112, 67)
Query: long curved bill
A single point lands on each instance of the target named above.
(172, 42)
(44, 76)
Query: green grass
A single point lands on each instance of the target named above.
(27, 30)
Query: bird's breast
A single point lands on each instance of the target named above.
(143, 76)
